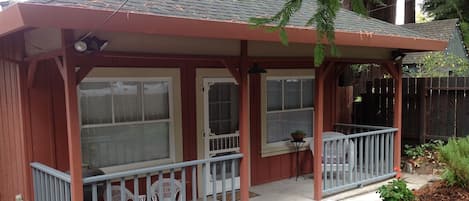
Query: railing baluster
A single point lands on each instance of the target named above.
(160, 186)
(94, 192)
(391, 152)
(324, 164)
(68, 196)
(108, 191)
(223, 180)
(171, 179)
(214, 181)
(387, 153)
(361, 154)
(62, 190)
(336, 161)
(43, 186)
(376, 162)
(122, 189)
(233, 184)
(183, 184)
(330, 161)
(136, 190)
(367, 155)
(194, 183)
(342, 158)
(204, 180)
(381, 138)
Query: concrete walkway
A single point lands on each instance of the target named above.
(302, 190)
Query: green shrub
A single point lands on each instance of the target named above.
(396, 190)
(456, 156)
(423, 150)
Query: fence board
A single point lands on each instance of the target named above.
(432, 107)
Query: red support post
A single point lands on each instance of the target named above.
(318, 129)
(73, 127)
(244, 123)
(397, 117)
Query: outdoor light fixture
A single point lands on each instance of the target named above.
(90, 45)
(256, 69)
(397, 55)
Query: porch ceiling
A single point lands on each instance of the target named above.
(27, 15)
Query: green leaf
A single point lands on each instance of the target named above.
(284, 37)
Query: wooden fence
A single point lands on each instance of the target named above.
(433, 108)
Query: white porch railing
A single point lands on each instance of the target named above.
(364, 155)
(53, 185)
(50, 184)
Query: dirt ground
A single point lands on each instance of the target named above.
(439, 191)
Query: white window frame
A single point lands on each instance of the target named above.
(172, 146)
(281, 146)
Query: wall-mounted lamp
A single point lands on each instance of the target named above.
(256, 69)
(397, 55)
(90, 45)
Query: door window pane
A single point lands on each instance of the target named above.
(95, 103)
(223, 108)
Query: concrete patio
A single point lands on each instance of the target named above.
(302, 190)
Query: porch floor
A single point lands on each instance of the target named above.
(302, 190)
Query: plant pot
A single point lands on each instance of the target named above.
(297, 136)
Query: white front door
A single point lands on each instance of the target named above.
(221, 128)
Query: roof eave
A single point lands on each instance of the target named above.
(11, 20)
(23, 15)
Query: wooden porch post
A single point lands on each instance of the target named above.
(244, 123)
(318, 129)
(73, 127)
(397, 117)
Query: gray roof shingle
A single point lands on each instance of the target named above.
(438, 29)
(238, 11)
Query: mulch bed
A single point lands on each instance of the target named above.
(439, 191)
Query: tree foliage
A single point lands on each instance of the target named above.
(449, 9)
(323, 20)
(440, 64)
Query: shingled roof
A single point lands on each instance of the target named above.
(438, 29)
(237, 11)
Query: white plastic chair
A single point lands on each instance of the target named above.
(334, 157)
(155, 188)
(116, 194)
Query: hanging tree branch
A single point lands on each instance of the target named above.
(323, 19)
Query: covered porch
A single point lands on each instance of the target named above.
(148, 89)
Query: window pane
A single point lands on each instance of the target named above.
(292, 94)
(95, 103)
(156, 100)
(308, 93)
(281, 124)
(274, 95)
(119, 145)
(127, 101)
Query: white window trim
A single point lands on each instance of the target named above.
(172, 145)
(281, 147)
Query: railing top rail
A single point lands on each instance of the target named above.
(376, 132)
(143, 171)
(363, 126)
(56, 173)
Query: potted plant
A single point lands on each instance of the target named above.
(298, 135)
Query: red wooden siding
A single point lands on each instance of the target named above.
(268, 169)
(48, 125)
(13, 152)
